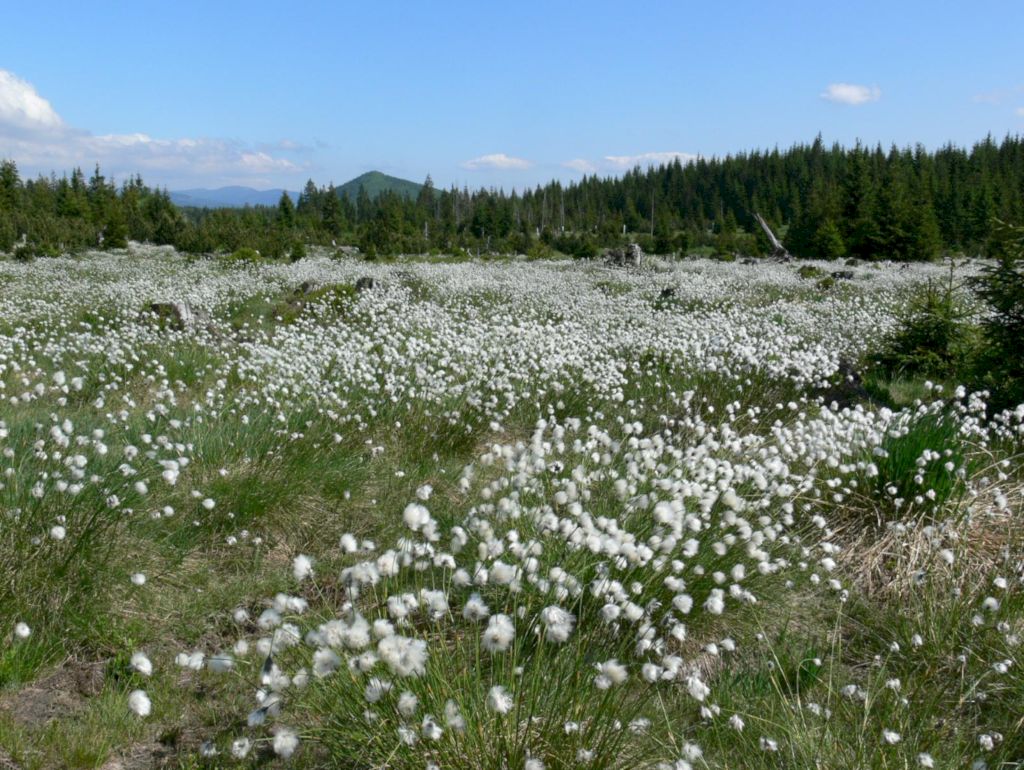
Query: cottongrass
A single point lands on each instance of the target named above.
(139, 703)
(643, 489)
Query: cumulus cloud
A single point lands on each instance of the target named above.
(851, 93)
(498, 160)
(580, 164)
(34, 135)
(647, 159)
(24, 110)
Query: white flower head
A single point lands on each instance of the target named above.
(302, 567)
(141, 664)
(499, 700)
(499, 634)
(285, 742)
(139, 703)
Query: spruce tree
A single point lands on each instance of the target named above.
(286, 211)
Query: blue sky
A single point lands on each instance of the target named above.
(487, 94)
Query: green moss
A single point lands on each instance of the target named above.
(807, 272)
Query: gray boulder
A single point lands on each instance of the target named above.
(631, 256)
(179, 315)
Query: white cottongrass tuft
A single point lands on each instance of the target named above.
(475, 609)
(407, 704)
(498, 635)
(141, 664)
(285, 742)
(609, 673)
(558, 623)
(415, 516)
(302, 567)
(139, 703)
(499, 700)
(240, 748)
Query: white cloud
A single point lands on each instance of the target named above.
(580, 164)
(851, 93)
(647, 159)
(999, 96)
(1020, 111)
(33, 134)
(498, 160)
(24, 110)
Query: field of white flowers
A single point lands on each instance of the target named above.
(494, 515)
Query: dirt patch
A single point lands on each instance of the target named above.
(143, 756)
(6, 762)
(55, 696)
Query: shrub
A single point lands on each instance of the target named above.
(23, 253)
(664, 242)
(298, 251)
(576, 246)
(244, 254)
(934, 337)
(1001, 287)
(8, 235)
(808, 272)
(645, 242)
(540, 250)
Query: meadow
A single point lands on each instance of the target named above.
(496, 514)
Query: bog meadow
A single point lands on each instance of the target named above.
(506, 513)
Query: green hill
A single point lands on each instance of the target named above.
(376, 183)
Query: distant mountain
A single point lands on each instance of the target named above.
(228, 197)
(375, 183)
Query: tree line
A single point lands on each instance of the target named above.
(826, 202)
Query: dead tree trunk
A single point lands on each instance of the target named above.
(778, 250)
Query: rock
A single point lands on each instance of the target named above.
(843, 275)
(306, 287)
(631, 256)
(179, 315)
(668, 292)
(749, 261)
(365, 283)
(634, 254)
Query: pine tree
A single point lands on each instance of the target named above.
(10, 186)
(332, 213)
(286, 211)
(115, 230)
(309, 201)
